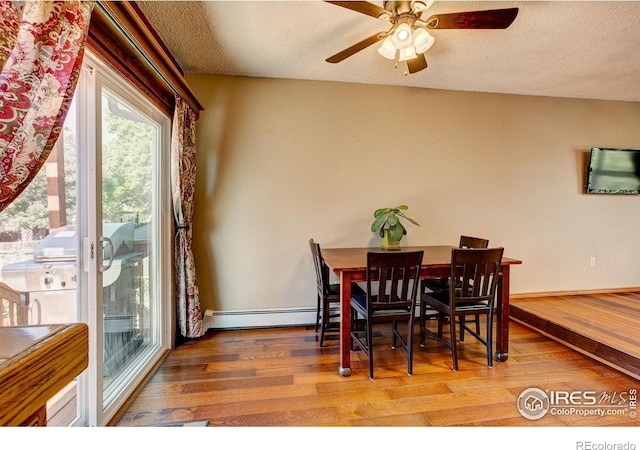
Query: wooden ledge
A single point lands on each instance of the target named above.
(35, 363)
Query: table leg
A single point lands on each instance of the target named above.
(345, 324)
(502, 325)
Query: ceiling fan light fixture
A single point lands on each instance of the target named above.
(408, 38)
(402, 36)
(387, 49)
(422, 40)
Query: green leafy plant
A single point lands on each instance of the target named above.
(389, 218)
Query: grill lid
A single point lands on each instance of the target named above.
(59, 245)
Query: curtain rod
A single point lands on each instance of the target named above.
(130, 22)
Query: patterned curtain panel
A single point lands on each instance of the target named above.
(183, 178)
(41, 50)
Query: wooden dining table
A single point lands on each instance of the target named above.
(350, 265)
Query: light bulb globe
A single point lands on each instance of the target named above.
(422, 40)
(407, 53)
(387, 49)
(402, 36)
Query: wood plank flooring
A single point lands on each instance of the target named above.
(280, 377)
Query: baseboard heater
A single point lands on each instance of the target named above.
(263, 318)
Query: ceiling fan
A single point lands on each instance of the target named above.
(408, 38)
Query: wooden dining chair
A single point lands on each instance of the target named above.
(328, 295)
(476, 272)
(442, 284)
(390, 296)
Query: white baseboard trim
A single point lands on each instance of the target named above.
(229, 320)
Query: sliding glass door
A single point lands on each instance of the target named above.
(90, 239)
(127, 238)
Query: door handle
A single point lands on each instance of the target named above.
(101, 266)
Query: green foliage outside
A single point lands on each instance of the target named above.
(126, 171)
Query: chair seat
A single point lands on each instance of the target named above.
(332, 299)
(442, 297)
(436, 284)
(439, 296)
(440, 284)
(334, 289)
(359, 302)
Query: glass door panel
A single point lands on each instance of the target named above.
(38, 254)
(130, 139)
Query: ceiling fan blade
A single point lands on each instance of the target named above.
(489, 19)
(417, 64)
(355, 48)
(362, 7)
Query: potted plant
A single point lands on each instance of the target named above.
(387, 224)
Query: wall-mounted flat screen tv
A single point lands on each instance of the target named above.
(613, 171)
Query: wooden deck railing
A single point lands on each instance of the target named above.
(15, 306)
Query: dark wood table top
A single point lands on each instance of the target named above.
(355, 258)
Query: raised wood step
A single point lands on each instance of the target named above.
(603, 326)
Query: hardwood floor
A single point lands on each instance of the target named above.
(280, 377)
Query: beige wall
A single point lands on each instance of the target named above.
(281, 161)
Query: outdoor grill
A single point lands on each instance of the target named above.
(51, 281)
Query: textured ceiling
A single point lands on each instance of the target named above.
(576, 49)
